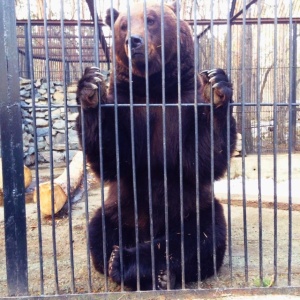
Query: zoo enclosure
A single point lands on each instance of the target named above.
(265, 67)
(246, 100)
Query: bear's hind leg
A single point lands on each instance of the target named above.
(207, 244)
(145, 266)
(96, 239)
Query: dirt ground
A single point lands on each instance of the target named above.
(55, 248)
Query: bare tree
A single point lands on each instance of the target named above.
(40, 14)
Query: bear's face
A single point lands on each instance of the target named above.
(133, 40)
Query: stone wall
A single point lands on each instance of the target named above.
(50, 117)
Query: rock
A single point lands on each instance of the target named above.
(41, 122)
(59, 88)
(55, 83)
(72, 116)
(55, 91)
(56, 114)
(43, 131)
(73, 137)
(27, 138)
(25, 114)
(72, 102)
(72, 89)
(30, 129)
(71, 96)
(29, 160)
(27, 120)
(59, 139)
(26, 103)
(58, 97)
(38, 83)
(30, 150)
(44, 86)
(42, 91)
(24, 81)
(41, 145)
(24, 93)
(73, 146)
(58, 124)
(58, 156)
(40, 114)
(59, 147)
(72, 153)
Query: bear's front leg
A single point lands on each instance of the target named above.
(89, 86)
(218, 80)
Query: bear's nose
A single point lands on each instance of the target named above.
(136, 41)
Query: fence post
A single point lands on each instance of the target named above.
(294, 85)
(26, 54)
(12, 154)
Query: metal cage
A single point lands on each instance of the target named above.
(256, 42)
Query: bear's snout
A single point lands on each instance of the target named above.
(136, 41)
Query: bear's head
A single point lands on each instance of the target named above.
(136, 37)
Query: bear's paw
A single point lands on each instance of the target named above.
(218, 80)
(89, 86)
(162, 280)
(114, 265)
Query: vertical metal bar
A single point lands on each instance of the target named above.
(229, 66)
(96, 53)
(163, 84)
(294, 84)
(244, 146)
(258, 108)
(131, 102)
(96, 35)
(164, 132)
(51, 146)
(149, 148)
(117, 146)
(26, 56)
(212, 142)
(290, 142)
(89, 280)
(104, 238)
(275, 136)
(65, 72)
(79, 36)
(12, 155)
(180, 146)
(31, 73)
(197, 182)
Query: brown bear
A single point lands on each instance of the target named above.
(149, 138)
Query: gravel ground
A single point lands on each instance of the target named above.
(230, 276)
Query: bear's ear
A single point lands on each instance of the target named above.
(108, 17)
(173, 6)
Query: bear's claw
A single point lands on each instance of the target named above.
(218, 80)
(91, 82)
(162, 280)
(114, 265)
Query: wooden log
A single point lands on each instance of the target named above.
(60, 187)
(27, 176)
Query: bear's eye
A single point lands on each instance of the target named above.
(124, 26)
(150, 21)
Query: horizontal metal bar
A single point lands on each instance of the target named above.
(171, 105)
(171, 294)
(190, 22)
(57, 22)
